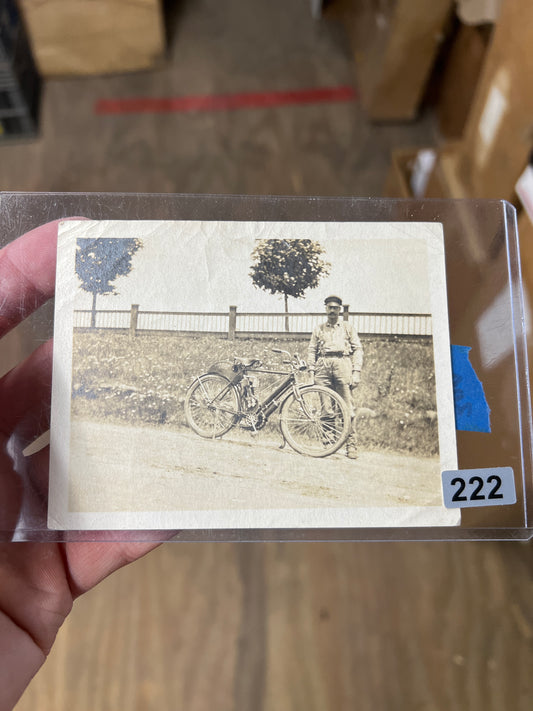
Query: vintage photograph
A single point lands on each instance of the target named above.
(231, 375)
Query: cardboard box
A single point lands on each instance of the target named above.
(440, 183)
(498, 136)
(98, 37)
(397, 184)
(460, 77)
(525, 232)
(395, 43)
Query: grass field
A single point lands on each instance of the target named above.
(143, 380)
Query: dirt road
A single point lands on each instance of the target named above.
(118, 468)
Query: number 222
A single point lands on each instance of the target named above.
(476, 494)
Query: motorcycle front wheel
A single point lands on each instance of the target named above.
(318, 423)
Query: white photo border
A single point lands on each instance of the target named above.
(67, 285)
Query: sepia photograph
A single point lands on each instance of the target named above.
(240, 375)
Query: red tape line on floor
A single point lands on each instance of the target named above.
(224, 102)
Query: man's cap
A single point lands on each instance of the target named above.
(336, 300)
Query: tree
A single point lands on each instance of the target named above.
(288, 267)
(100, 261)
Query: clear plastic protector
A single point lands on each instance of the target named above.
(487, 318)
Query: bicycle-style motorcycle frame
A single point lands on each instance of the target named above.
(314, 420)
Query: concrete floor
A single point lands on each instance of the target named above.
(217, 48)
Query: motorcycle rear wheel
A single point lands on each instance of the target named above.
(212, 406)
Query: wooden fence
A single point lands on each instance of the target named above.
(235, 324)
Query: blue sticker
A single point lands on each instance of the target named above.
(472, 413)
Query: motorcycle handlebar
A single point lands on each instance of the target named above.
(296, 362)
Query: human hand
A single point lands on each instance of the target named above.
(356, 378)
(38, 581)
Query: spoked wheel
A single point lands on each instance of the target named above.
(211, 406)
(316, 425)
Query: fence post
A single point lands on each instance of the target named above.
(134, 317)
(346, 313)
(232, 326)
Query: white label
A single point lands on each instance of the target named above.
(465, 488)
(425, 160)
(492, 115)
(524, 190)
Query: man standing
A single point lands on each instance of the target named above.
(335, 357)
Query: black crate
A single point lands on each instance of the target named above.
(19, 80)
(9, 24)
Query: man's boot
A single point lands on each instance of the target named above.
(351, 451)
(351, 447)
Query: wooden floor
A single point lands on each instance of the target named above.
(217, 626)
(275, 626)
